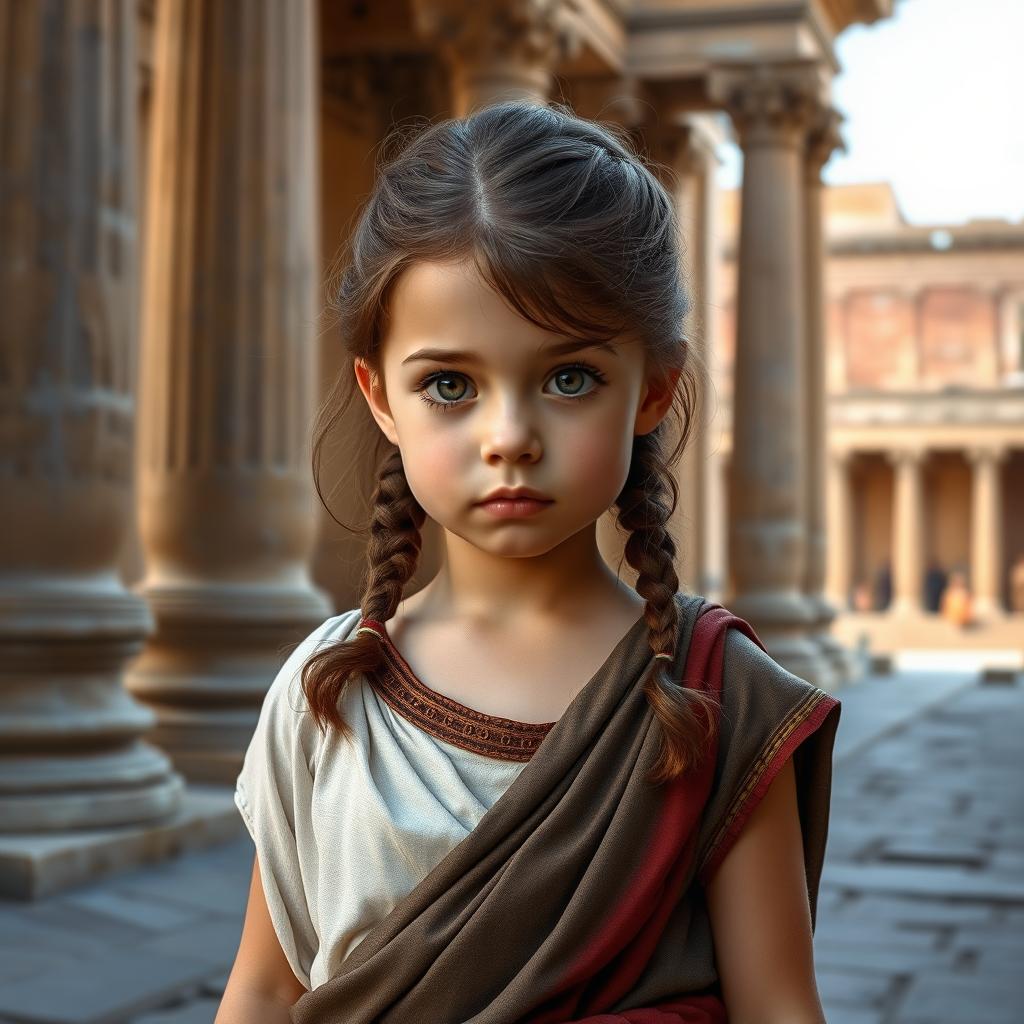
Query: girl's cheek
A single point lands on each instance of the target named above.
(435, 473)
(594, 458)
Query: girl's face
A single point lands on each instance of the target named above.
(495, 403)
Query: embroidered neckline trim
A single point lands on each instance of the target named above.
(447, 719)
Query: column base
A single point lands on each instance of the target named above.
(906, 609)
(987, 610)
(205, 671)
(845, 663)
(35, 866)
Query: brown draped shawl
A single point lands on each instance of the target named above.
(579, 895)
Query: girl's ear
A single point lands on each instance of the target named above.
(372, 386)
(655, 402)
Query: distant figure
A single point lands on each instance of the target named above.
(956, 601)
(935, 581)
(883, 587)
(1017, 584)
(862, 597)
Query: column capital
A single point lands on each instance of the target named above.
(906, 454)
(987, 452)
(529, 32)
(823, 138)
(771, 103)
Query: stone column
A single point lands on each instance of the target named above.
(987, 530)
(73, 757)
(687, 149)
(771, 108)
(823, 139)
(231, 296)
(908, 540)
(496, 49)
(839, 573)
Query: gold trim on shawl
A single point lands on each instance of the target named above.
(761, 763)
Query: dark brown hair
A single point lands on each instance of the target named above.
(564, 219)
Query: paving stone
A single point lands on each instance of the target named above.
(939, 882)
(205, 890)
(996, 937)
(24, 961)
(904, 912)
(840, 932)
(202, 1011)
(934, 851)
(102, 990)
(851, 1015)
(146, 913)
(48, 933)
(962, 1000)
(851, 988)
(887, 958)
(216, 985)
(60, 915)
(215, 943)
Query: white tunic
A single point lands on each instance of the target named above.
(344, 831)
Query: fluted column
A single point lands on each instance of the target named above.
(839, 563)
(908, 542)
(497, 49)
(987, 530)
(231, 294)
(73, 757)
(823, 139)
(772, 108)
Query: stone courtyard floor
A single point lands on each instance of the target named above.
(921, 907)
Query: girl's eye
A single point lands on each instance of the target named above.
(448, 382)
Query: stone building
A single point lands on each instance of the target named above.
(924, 350)
(176, 177)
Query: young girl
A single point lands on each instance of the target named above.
(528, 793)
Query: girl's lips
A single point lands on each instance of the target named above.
(514, 508)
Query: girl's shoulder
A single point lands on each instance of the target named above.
(334, 629)
(285, 713)
(746, 665)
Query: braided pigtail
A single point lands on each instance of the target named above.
(392, 555)
(647, 501)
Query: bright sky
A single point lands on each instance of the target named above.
(934, 103)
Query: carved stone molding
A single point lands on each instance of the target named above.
(986, 453)
(498, 48)
(824, 138)
(904, 456)
(773, 104)
(525, 31)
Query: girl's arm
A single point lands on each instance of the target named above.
(760, 916)
(261, 986)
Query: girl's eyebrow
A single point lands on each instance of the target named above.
(441, 355)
